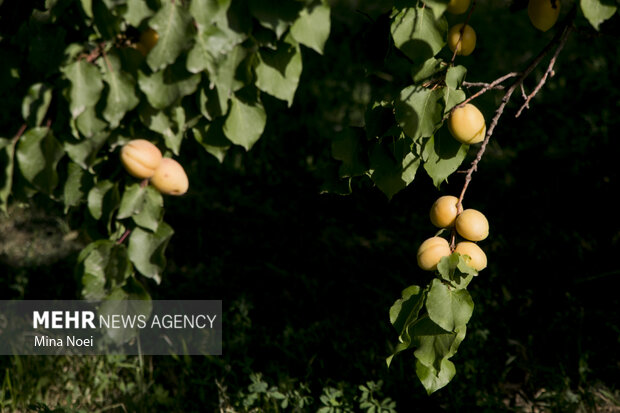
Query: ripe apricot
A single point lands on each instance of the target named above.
(477, 258)
(431, 251)
(458, 6)
(471, 224)
(443, 212)
(148, 40)
(468, 41)
(543, 13)
(467, 125)
(170, 178)
(140, 158)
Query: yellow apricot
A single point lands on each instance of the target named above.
(458, 6)
(170, 178)
(468, 41)
(477, 258)
(443, 212)
(471, 224)
(431, 252)
(148, 40)
(466, 124)
(140, 158)
(543, 13)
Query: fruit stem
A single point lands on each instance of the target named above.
(124, 236)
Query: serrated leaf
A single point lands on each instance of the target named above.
(174, 26)
(35, 103)
(223, 74)
(121, 90)
(102, 264)
(170, 123)
(448, 308)
(152, 210)
(136, 12)
(393, 168)
(350, 147)
(167, 87)
(455, 76)
(7, 160)
(84, 152)
(597, 11)
(312, 27)
(404, 313)
(427, 69)
(206, 12)
(418, 111)
(88, 123)
(132, 201)
(443, 155)
(75, 187)
(146, 250)
(245, 122)
(278, 71)
(418, 34)
(86, 86)
(38, 154)
(211, 137)
(455, 270)
(103, 199)
(451, 98)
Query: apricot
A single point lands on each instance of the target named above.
(477, 258)
(443, 212)
(458, 6)
(543, 13)
(431, 252)
(468, 41)
(466, 124)
(148, 40)
(170, 178)
(140, 158)
(471, 224)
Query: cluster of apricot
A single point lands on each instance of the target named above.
(470, 224)
(143, 160)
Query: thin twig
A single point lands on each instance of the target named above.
(549, 70)
(458, 43)
(559, 38)
(19, 133)
(487, 87)
(124, 236)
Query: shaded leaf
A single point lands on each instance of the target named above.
(146, 250)
(121, 93)
(418, 111)
(152, 210)
(442, 156)
(7, 161)
(418, 34)
(38, 154)
(278, 71)
(393, 168)
(35, 103)
(211, 137)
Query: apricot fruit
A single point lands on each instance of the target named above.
(466, 124)
(170, 178)
(472, 225)
(477, 258)
(140, 158)
(468, 40)
(458, 6)
(443, 212)
(148, 40)
(431, 252)
(543, 13)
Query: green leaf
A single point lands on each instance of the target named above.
(418, 111)
(418, 34)
(38, 154)
(404, 313)
(84, 152)
(174, 26)
(88, 123)
(102, 264)
(278, 71)
(131, 300)
(211, 137)
(275, 15)
(224, 75)
(35, 103)
(76, 185)
(427, 69)
(351, 149)
(170, 123)
(448, 308)
(245, 122)
(121, 93)
(451, 98)
(442, 156)
(136, 12)
(167, 87)
(206, 12)
(86, 86)
(103, 199)
(597, 11)
(456, 271)
(152, 210)
(312, 27)
(146, 250)
(132, 201)
(7, 161)
(437, 6)
(393, 168)
(455, 76)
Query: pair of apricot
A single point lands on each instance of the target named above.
(469, 224)
(144, 160)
